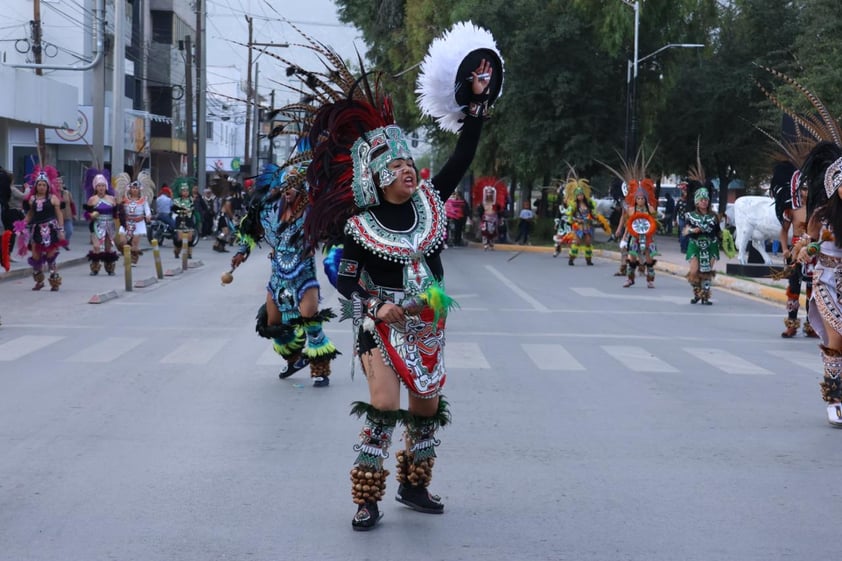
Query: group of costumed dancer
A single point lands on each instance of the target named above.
(812, 158)
(638, 225)
(382, 229)
(41, 232)
(290, 317)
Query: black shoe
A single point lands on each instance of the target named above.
(292, 367)
(707, 303)
(694, 300)
(418, 498)
(321, 382)
(366, 518)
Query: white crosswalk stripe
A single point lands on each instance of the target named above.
(110, 348)
(727, 362)
(195, 351)
(552, 357)
(637, 359)
(24, 345)
(465, 355)
(549, 357)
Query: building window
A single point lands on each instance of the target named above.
(162, 27)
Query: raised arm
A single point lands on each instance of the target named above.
(454, 169)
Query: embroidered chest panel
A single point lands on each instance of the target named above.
(420, 239)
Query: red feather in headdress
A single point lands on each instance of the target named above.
(50, 174)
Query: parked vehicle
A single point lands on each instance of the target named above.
(160, 230)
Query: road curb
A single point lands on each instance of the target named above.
(723, 280)
(26, 271)
(143, 283)
(102, 297)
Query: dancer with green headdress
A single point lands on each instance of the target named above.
(702, 228)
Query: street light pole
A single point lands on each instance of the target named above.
(631, 88)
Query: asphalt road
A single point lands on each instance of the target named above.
(591, 422)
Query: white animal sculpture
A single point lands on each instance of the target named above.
(606, 206)
(756, 222)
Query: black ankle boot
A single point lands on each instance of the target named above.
(366, 518)
(418, 498)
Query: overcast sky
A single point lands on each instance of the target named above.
(317, 18)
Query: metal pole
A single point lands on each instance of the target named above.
(201, 92)
(127, 264)
(188, 105)
(185, 249)
(255, 168)
(118, 86)
(272, 140)
(36, 50)
(156, 255)
(633, 132)
(249, 96)
(627, 131)
(98, 91)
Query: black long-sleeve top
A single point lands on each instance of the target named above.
(401, 217)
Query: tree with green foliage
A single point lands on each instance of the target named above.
(566, 68)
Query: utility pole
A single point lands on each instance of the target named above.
(250, 96)
(255, 168)
(201, 93)
(272, 140)
(188, 105)
(118, 88)
(36, 50)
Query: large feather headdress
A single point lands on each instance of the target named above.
(573, 185)
(123, 182)
(461, 47)
(634, 175)
(48, 174)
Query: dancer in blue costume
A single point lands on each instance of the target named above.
(291, 315)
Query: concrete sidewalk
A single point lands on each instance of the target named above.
(672, 261)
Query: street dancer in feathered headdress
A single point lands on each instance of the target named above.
(41, 231)
(800, 135)
(134, 210)
(101, 212)
(702, 229)
(366, 194)
(822, 173)
(291, 317)
(639, 218)
(582, 216)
